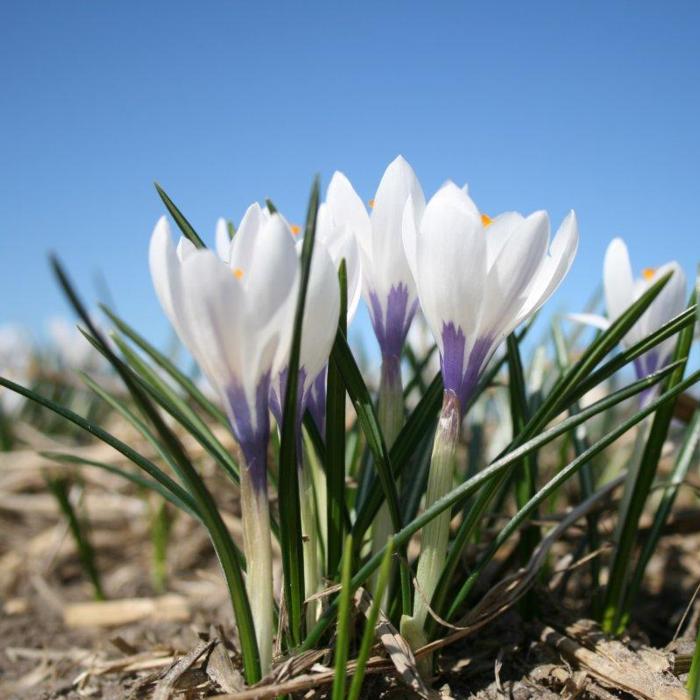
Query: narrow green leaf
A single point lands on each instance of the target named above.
(680, 469)
(290, 516)
(342, 642)
(140, 481)
(206, 506)
(335, 443)
(622, 557)
(504, 463)
(192, 390)
(60, 488)
(184, 225)
(369, 632)
(525, 472)
(579, 439)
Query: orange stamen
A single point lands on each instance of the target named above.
(648, 273)
(486, 220)
(296, 230)
(237, 273)
(371, 204)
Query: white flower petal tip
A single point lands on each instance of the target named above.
(478, 278)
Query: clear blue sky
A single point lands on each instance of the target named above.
(556, 105)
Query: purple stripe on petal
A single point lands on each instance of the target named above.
(456, 378)
(391, 326)
(277, 404)
(317, 400)
(253, 439)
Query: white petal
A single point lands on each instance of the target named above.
(348, 209)
(267, 264)
(185, 248)
(223, 240)
(590, 320)
(498, 234)
(513, 272)
(165, 272)
(389, 266)
(617, 279)
(410, 235)
(553, 269)
(450, 264)
(670, 301)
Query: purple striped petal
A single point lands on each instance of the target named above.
(392, 322)
(456, 377)
(252, 438)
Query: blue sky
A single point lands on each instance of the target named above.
(584, 105)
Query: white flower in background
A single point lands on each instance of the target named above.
(72, 347)
(16, 355)
(477, 279)
(321, 310)
(340, 221)
(229, 317)
(622, 290)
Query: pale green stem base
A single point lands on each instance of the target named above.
(436, 533)
(391, 416)
(310, 545)
(258, 553)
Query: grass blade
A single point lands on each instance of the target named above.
(192, 390)
(504, 463)
(683, 462)
(290, 514)
(342, 642)
(619, 570)
(60, 488)
(206, 506)
(182, 223)
(335, 443)
(371, 622)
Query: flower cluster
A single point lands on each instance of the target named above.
(474, 277)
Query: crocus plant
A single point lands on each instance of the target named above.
(622, 290)
(229, 315)
(477, 280)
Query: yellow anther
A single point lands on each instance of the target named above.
(237, 273)
(648, 273)
(486, 220)
(371, 204)
(296, 230)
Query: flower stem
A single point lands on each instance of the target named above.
(258, 552)
(307, 502)
(391, 416)
(436, 533)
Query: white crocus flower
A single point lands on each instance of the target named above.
(341, 219)
(321, 311)
(477, 279)
(622, 290)
(228, 316)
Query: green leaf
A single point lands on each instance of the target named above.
(369, 632)
(184, 225)
(191, 389)
(526, 471)
(668, 496)
(622, 558)
(342, 642)
(335, 443)
(135, 478)
(290, 515)
(664, 401)
(206, 506)
(503, 464)
(60, 488)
